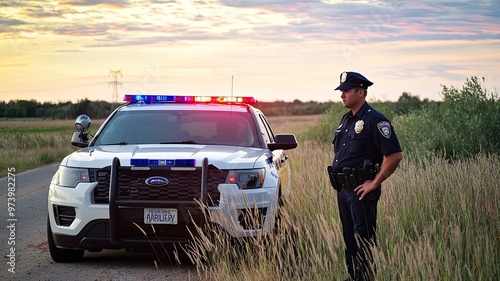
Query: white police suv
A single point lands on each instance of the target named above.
(156, 164)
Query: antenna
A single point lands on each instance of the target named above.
(115, 83)
(232, 82)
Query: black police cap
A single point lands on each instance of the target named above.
(349, 80)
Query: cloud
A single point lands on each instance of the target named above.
(112, 3)
(41, 12)
(13, 3)
(8, 26)
(10, 22)
(261, 21)
(82, 29)
(162, 1)
(376, 21)
(445, 71)
(67, 51)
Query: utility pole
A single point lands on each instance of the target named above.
(115, 83)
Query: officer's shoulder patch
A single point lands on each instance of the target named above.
(384, 128)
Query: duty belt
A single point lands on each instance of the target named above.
(350, 178)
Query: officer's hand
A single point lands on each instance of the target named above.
(364, 189)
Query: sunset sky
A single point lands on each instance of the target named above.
(273, 50)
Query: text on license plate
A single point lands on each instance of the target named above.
(160, 216)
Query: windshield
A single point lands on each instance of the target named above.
(165, 127)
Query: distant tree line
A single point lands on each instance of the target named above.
(101, 109)
(405, 104)
(60, 110)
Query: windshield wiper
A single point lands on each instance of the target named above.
(117, 143)
(179, 142)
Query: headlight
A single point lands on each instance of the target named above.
(70, 177)
(246, 179)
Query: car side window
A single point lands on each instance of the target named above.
(265, 128)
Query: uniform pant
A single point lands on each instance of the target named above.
(359, 223)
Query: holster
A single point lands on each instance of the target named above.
(349, 183)
(331, 176)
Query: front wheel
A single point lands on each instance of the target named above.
(61, 255)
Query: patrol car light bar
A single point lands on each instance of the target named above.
(188, 99)
(163, 162)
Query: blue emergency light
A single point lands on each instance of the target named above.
(163, 162)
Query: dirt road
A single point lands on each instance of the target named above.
(23, 241)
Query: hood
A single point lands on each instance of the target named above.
(223, 157)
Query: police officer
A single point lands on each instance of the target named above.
(367, 152)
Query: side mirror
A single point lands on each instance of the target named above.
(283, 141)
(81, 138)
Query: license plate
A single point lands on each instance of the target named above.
(160, 216)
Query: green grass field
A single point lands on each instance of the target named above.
(438, 220)
(29, 143)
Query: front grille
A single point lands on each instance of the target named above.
(183, 185)
(101, 192)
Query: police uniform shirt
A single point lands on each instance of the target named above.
(366, 135)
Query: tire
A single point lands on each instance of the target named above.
(62, 255)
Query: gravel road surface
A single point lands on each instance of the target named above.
(28, 259)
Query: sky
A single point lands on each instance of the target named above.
(69, 50)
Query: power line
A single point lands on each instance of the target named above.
(115, 83)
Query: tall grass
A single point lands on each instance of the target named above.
(438, 220)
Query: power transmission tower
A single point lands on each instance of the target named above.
(115, 83)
